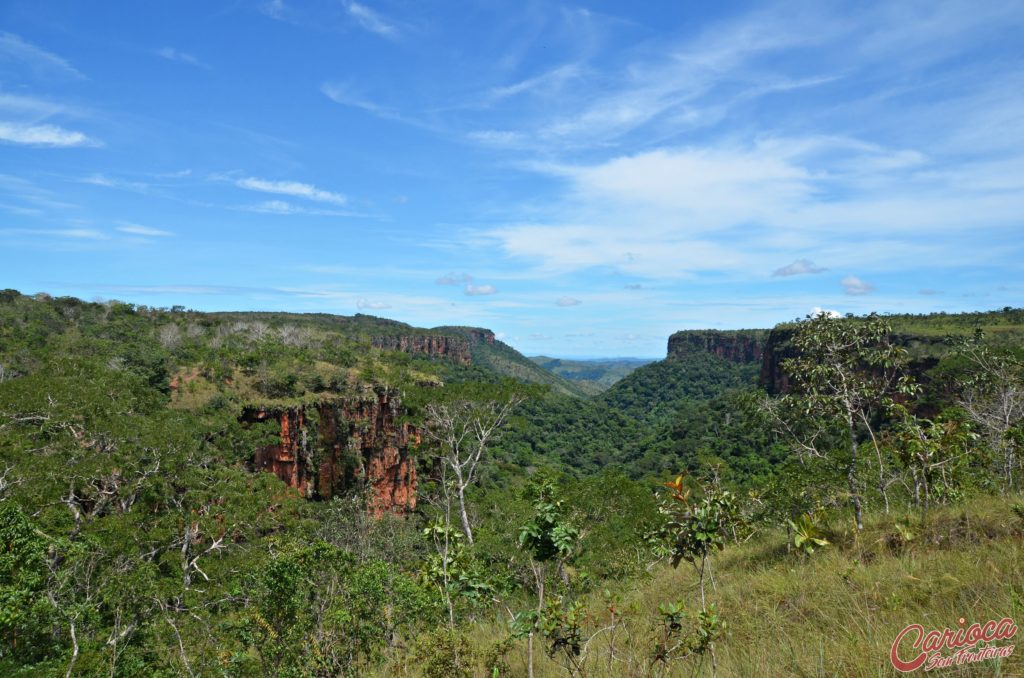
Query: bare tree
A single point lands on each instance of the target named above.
(463, 429)
(993, 397)
(169, 335)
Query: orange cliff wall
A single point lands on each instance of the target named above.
(453, 348)
(355, 443)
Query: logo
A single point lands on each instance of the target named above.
(915, 648)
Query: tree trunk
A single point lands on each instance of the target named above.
(851, 477)
(464, 516)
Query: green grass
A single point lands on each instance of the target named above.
(834, 613)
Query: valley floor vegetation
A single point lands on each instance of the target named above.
(682, 522)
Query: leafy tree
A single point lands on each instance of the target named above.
(549, 539)
(845, 373)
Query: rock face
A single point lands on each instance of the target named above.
(924, 354)
(738, 346)
(456, 345)
(329, 447)
(436, 345)
(773, 378)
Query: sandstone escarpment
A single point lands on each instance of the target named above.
(454, 343)
(326, 448)
(924, 352)
(738, 346)
(434, 345)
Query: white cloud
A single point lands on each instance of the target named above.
(291, 188)
(72, 233)
(479, 290)
(13, 47)
(735, 207)
(137, 229)
(798, 267)
(855, 286)
(43, 135)
(567, 301)
(111, 182)
(284, 207)
(29, 107)
(827, 312)
(172, 54)
(499, 138)
(371, 20)
(371, 305)
(550, 81)
(275, 207)
(274, 8)
(454, 279)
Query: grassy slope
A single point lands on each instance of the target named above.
(835, 613)
(507, 361)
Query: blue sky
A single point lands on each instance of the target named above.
(584, 179)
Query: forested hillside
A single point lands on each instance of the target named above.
(594, 376)
(187, 493)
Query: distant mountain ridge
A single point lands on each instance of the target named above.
(596, 375)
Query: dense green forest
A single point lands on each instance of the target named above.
(681, 522)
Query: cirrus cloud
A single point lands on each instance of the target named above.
(50, 136)
(798, 267)
(855, 286)
(291, 188)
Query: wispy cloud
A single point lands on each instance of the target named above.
(72, 233)
(371, 20)
(549, 81)
(344, 95)
(284, 207)
(276, 9)
(291, 188)
(29, 107)
(137, 229)
(855, 286)
(479, 290)
(112, 182)
(798, 267)
(172, 54)
(567, 301)
(678, 87)
(454, 279)
(50, 136)
(44, 63)
(364, 304)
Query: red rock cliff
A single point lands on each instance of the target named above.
(437, 345)
(329, 447)
(453, 343)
